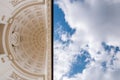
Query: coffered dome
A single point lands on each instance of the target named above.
(26, 39)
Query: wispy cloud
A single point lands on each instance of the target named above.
(95, 21)
(96, 18)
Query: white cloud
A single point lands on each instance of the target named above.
(95, 21)
(62, 57)
(64, 37)
(96, 18)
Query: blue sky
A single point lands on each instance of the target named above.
(86, 40)
(79, 64)
(59, 20)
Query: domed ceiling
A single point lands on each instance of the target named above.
(26, 38)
